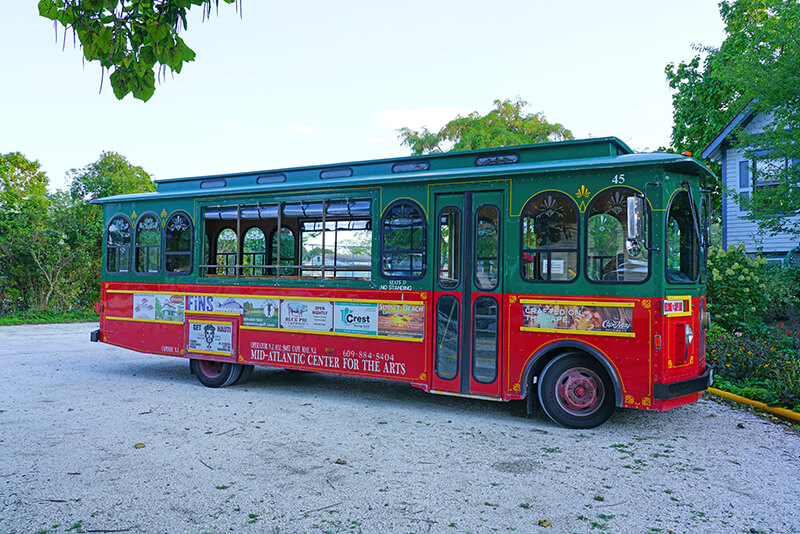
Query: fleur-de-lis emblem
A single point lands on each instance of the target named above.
(582, 192)
(133, 215)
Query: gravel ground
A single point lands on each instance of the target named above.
(306, 452)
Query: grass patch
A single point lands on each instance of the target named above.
(45, 317)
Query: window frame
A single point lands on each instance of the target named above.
(190, 252)
(696, 254)
(460, 259)
(226, 267)
(253, 266)
(130, 244)
(474, 338)
(577, 248)
(137, 246)
(498, 257)
(423, 250)
(648, 222)
(439, 343)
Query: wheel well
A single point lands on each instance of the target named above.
(546, 355)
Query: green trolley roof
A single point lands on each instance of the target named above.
(582, 154)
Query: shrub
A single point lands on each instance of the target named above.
(782, 283)
(764, 368)
(736, 289)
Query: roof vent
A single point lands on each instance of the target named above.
(213, 184)
(343, 172)
(498, 159)
(413, 166)
(271, 178)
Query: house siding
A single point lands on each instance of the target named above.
(737, 229)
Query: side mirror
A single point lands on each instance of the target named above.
(635, 236)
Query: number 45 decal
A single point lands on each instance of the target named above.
(618, 179)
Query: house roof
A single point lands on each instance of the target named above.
(714, 149)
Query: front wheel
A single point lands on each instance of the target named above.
(216, 374)
(575, 391)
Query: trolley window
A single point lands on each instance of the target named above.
(178, 244)
(403, 241)
(549, 239)
(118, 245)
(607, 260)
(148, 244)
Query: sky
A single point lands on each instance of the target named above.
(288, 84)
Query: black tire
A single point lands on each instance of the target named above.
(216, 374)
(575, 391)
(247, 372)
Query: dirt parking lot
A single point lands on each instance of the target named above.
(306, 452)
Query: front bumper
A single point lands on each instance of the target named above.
(674, 390)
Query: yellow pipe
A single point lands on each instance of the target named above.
(783, 412)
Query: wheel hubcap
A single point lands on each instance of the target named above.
(579, 391)
(211, 369)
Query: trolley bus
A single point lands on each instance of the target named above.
(569, 274)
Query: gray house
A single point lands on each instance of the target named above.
(741, 175)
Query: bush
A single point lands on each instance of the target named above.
(736, 289)
(764, 368)
(782, 283)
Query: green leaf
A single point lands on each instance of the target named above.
(120, 82)
(47, 9)
(145, 87)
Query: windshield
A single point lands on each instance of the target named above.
(682, 247)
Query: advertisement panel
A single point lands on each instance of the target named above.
(306, 315)
(356, 318)
(158, 307)
(612, 318)
(213, 337)
(401, 320)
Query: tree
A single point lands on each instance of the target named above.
(507, 124)
(21, 180)
(132, 38)
(112, 174)
(757, 65)
(766, 70)
(23, 201)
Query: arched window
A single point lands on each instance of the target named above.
(148, 244)
(682, 249)
(254, 251)
(118, 245)
(607, 259)
(226, 251)
(287, 242)
(549, 238)
(178, 244)
(403, 241)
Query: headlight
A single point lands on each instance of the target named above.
(689, 335)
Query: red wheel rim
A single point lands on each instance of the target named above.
(210, 369)
(579, 391)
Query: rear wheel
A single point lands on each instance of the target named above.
(247, 372)
(216, 374)
(575, 391)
